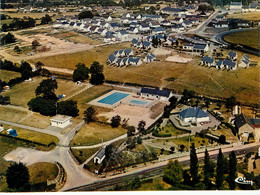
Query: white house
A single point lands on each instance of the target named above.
(61, 121)
(207, 61)
(173, 11)
(221, 24)
(144, 27)
(159, 30)
(135, 61)
(229, 65)
(112, 58)
(232, 55)
(155, 93)
(133, 30)
(122, 35)
(194, 115)
(108, 18)
(109, 38)
(235, 6)
(244, 61)
(100, 156)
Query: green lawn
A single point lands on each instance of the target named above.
(83, 154)
(6, 75)
(91, 133)
(170, 129)
(248, 38)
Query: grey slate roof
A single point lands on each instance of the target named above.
(101, 153)
(207, 59)
(232, 53)
(199, 46)
(240, 120)
(155, 91)
(112, 58)
(193, 112)
(229, 63)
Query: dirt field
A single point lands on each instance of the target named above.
(11, 114)
(178, 59)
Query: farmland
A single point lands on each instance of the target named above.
(248, 38)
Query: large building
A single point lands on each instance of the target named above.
(235, 6)
(194, 115)
(156, 93)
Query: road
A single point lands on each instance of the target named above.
(157, 168)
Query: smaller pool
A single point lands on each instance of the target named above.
(138, 102)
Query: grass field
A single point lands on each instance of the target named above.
(91, 134)
(90, 94)
(246, 16)
(37, 120)
(83, 154)
(42, 171)
(69, 61)
(6, 75)
(32, 135)
(26, 90)
(156, 185)
(75, 37)
(249, 38)
(11, 114)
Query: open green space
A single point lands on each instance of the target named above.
(6, 75)
(42, 171)
(92, 133)
(249, 38)
(83, 154)
(89, 95)
(32, 135)
(242, 83)
(170, 129)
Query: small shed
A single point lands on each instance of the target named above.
(12, 132)
(61, 121)
(100, 156)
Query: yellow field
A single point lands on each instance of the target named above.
(37, 120)
(41, 172)
(6, 75)
(69, 61)
(249, 38)
(12, 115)
(91, 133)
(246, 16)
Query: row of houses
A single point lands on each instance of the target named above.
(124, 57)
(229, 63)
(238, 7)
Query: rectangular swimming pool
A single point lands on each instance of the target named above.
(138, 102)
(113, 98)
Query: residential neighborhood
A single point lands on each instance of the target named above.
(129, 96)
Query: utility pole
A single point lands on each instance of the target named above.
(189, 142)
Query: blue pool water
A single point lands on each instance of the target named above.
(113, 98)
(138, 102)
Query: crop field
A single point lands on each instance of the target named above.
(6, 75)
(69, 61)
(248, 38)
(92, 133)
(246, 16)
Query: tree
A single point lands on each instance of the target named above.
(81, 73)
(207, 170)
(141, 126)
(173, 101)
(173, 173)
(139, 140)
(96, 68)
(115, 121)
(43, 106)
(68, 107)
(90, 114)
(85, 14)
(194, 167)
(26, 70)
(46, 19)
(130, 131)
(182, 148)
(97, 79)
(232, 171)
(186, 178)
(35, 44)
(17, 49)
(231, 102)
(4, 27)
(17, 176)
(136, 183)
(172, 149)
(7, 39)
(46, 72)
(39, 65)
(219, 171)
(222, 139)
(46, 89)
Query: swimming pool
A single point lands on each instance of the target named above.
(113, 98)
(138, 102)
